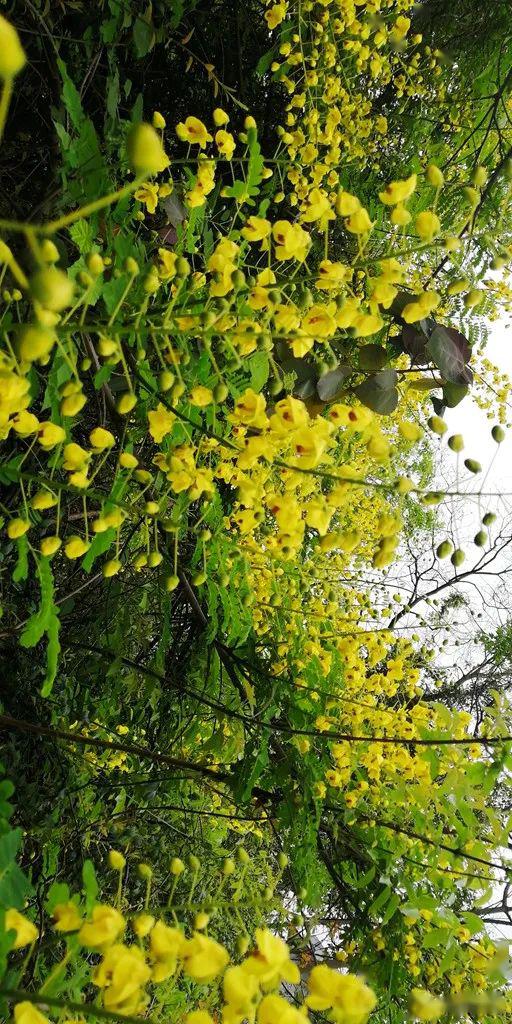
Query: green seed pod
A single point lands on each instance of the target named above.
(481, 538)
(242, 856)
(473, 298)
(479, 176)
(498, 263)
(238, 279)
(220, 392)
(489, 518)
(444, 549)
(457, 557)
(228, 866)
(498, 434)
(274, 295)
(182, 267)
(275, 388)
(208, 318)
(437, 425)
(171, 583)
(473, 465)
(193, 862)
(472, 195)
(456, 442)
(199, 578)
(166, 380)
(282, 860)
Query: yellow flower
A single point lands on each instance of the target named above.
(17, 527)
(25, 423)
(50, 434)
(158, 120)
(359, 223)
(27, 1013)
(220, 117)
(148, 194)
(143, 923)
(26, 932)
(67, 917)
(274, 1009)
(122, 973)
(427, 225)
(50, 545)
(425, 1006)
(400, 216)
(225, 143)
(398, 191)
(201, 396)
(354, 418)
(101, 439)
(346, 204)
(167, 265)
(331, 275)
(105, 926)
(161, 422)
(75, 457)
(166, 945)
(256, 229)
(309, 446)
(318, 207)
(199, 1017)
(275, 15)
(193, 131)
(319, 321)
(271, 962)
(250, 410)
(203, 958)
(345, 994)
(290, 413)
(292, 241)
(240, 989)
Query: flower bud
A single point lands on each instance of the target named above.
(498, 434)
(456, 442)
(52, 288)
(481, 538)
(435, 176)
(472, 465)
(116, 860)
(145, 870)
(438, 425)
(193, 862)
(146, 153)
(444, 549)
(177, 866)
(457, 557)
(489, 518)
(12, 55)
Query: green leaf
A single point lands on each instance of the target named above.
(143, 34)
(259, 369)
(372, 358)
(14, 885)
(449, 350)
(379, 902)
(82, 234)
(45, 620)
(57, 893)
(21, 567)
(435, 937)
(91, 887)
(379, 393)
